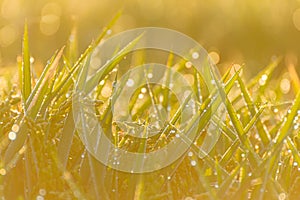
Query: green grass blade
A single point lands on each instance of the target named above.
(26, 71)
(284, 131)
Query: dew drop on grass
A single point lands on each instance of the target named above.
(195, 55)
(177, 135)
(102, 82)
(15, 128)
(109, 31)
(263, 79)
(161, 98)
(282, 196)
(42, 192)
(150, 75)
(143, 90)
(2, 172)
(12, 135)
(193, 163)
(31, 60)
(188, 64)
(190, 154)
(130, 82)
(295, 164)
(141, 96)
(169, 178)
(39, 197)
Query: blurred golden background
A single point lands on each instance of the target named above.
(247, 32)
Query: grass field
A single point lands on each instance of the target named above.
(42, 156)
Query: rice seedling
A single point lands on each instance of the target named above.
(43, 156)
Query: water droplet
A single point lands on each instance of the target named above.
(143, 90)
(141, 96)
(190, 154)
(275, 110)
(177, 135)
(193, 163)
(169, 178)
(161, 98)
(31, 60)
(150, 75)
(263, 80)
(109, 31)
(195, 55)
(130, 82)
(249, 174)
(42, 192)
(264, 77)
(12, 135)
(216, 186)
(295, 164)
(15, 128)
(102, 82)
(188, 64)
(39, 197)
(2, 172)
(282, 196)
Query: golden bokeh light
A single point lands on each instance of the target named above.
(50, 18)
(296, 19)
(214, 56)
(8, 34)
